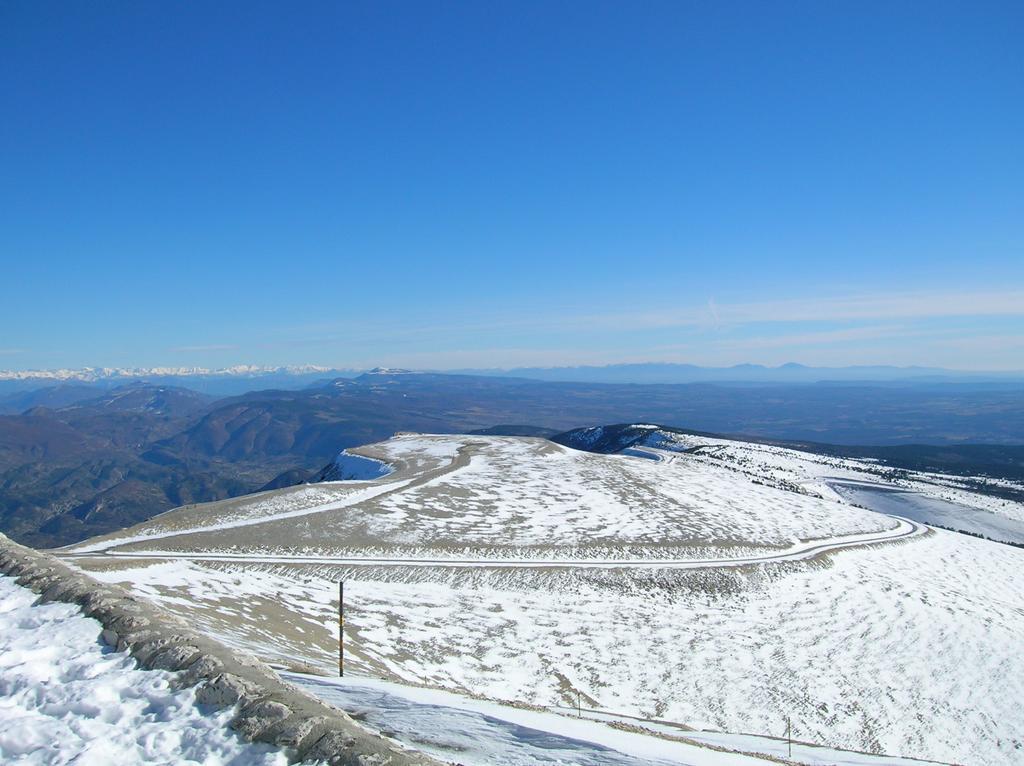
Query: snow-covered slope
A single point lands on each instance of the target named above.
(486, 733)
(711, 586)
(952, 501)
(350, 467)
(66, 698)
(512, 497)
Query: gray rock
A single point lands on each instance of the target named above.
(176, 657)
(128, 642)
(335, 747)
(300, 731)
(225, 690)
(32, 576)
(205, 666)
(259, 716)
(128, 623)
(145, 651)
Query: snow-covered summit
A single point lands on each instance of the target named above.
(93, 374)
(390, 371)
(717, 584)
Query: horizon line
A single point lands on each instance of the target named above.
(255, 370)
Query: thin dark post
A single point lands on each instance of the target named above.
(579, 705)
(789, 735)
(341, 628)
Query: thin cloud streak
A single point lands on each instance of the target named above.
(712, 315)
(836, 309)
(848, 335)
(203, 349)
(897, 326)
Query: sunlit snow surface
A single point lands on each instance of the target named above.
(65, 698)
(514, 497)
(932, 510)
(909, 648)
(483, 733)
(473, 737)
(350, 467)
(951, 501)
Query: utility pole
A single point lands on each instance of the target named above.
(341, 628)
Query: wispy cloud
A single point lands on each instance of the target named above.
(204, 349)
(863, 328)
(842, 308)
(998, 343)
(11, 351)
(494, 358)
(886, 306)
(803, 340)
(713, 314)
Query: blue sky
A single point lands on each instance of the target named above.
(498, 184)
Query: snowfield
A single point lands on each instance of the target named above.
(955, 499)
(486, 733)
(662, 589)
(67, 698)
(533, 493)
(351, 467)
(513, 497)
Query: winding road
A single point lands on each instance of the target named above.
(904, 529)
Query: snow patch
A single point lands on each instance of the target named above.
(67, 698)
(349, 467)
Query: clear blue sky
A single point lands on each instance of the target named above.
(496, 184)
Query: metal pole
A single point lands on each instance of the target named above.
(789, 735)
(341, 628)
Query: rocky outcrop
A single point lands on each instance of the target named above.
(266, 708)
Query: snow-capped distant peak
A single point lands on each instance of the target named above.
(89, 374)
(389, 371)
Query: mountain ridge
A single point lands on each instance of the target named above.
(789, 372)
(637, 372)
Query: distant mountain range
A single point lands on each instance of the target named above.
(657, 372)
(222, 381)
(241, 378)
(102, 373)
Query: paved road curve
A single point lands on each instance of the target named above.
(904, 529)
